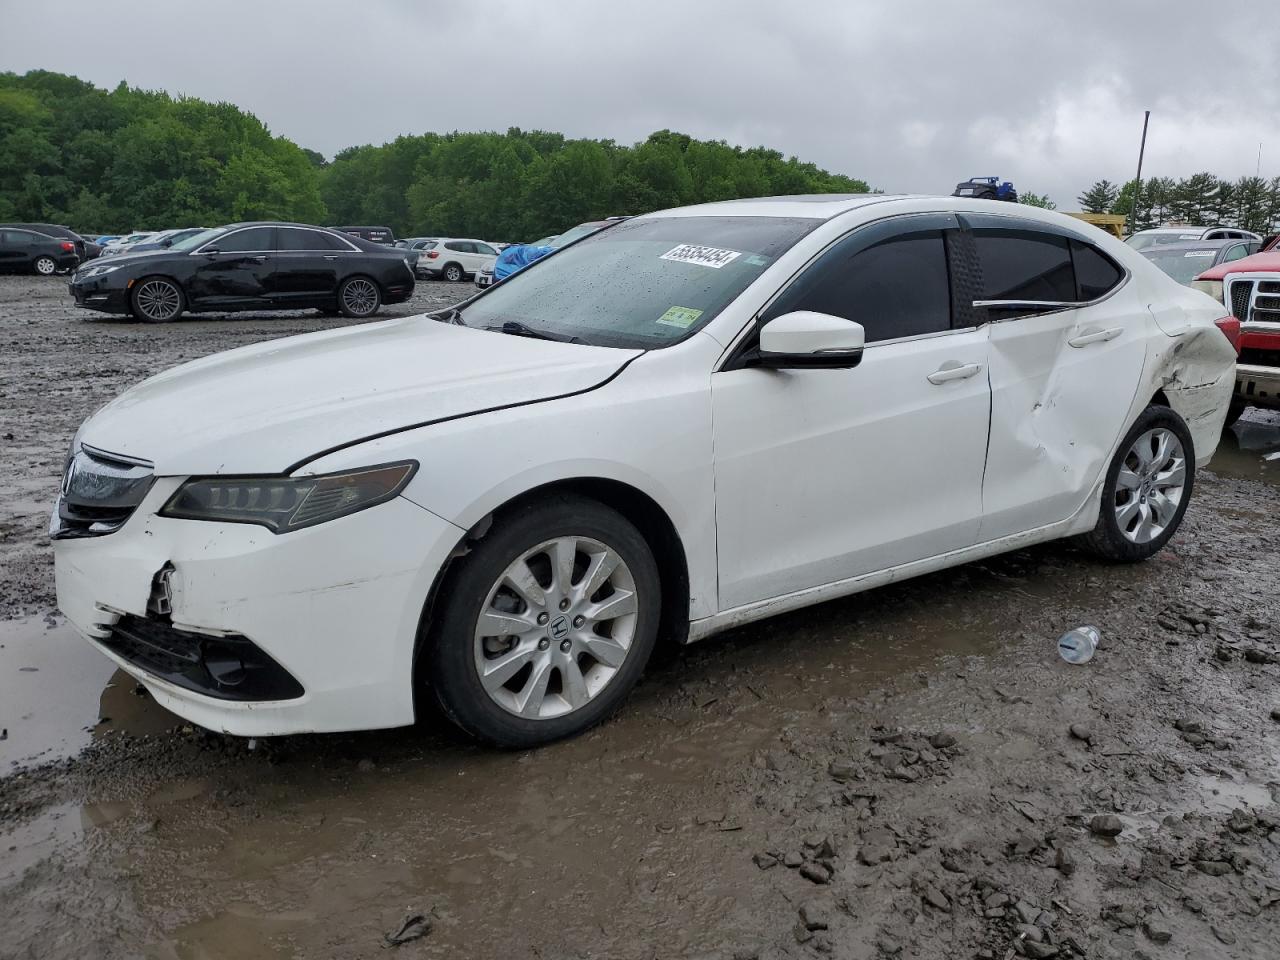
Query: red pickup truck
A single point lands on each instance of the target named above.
(1250, 289)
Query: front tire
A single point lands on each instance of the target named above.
(45, 266)
(1235, 410)
(546, 625)
(359, 297)
(1147, 488)
(157, 300)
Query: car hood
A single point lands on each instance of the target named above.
(1268, 262)
(267, 407)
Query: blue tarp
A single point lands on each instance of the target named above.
(514, 259)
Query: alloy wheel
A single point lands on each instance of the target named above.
(45, 266)
(556, 628)
(158, 301)
(360, 297)
(1150, 484)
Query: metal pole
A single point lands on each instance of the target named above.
(1137, 182)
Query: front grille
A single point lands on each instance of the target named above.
(232, 667)
(1241, 293)
(1266, 302)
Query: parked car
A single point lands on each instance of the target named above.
(689, 421)
(164, 239)
(106, 238)
(454, 259)
(1250, 289)
(26, 251)
(1187, 259)
(53, 230)
(249, 266)
(414, 243)
(121, 244)
(1147, 238)
(383, 235)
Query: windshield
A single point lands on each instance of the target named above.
(642, 283)
(573, 234)
(197, 239)
(1182, 264)
(1141, 241)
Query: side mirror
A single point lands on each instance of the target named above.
(808, 339)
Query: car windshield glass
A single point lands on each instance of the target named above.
(569, 236)
(197, 239)
(1182, 264)
(642, 283)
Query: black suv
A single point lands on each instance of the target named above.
(248, 266)
(29, 251)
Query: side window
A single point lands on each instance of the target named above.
(455, 245)
(291, 238)
(1236, 252)
(252, 240)
(897, 288)
(1024, 265)
(487, 250)
(1096, 273)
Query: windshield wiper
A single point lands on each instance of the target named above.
(517, 329)
(453, 315)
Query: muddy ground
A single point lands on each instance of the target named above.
(908, 773)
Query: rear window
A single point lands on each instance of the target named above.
(641, 283)
(1096, 273)
(1025, 265)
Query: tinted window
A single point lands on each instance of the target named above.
(457, 245)
(292, 238)
(1024, 265)
(487, 250)
(251, 240)
(1096, 274)
(17, 238)
(898, 288)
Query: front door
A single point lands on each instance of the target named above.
(1068, 343)
(233, 270)
(824, 475)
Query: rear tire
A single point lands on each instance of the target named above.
(453, 273)
(577, 586)
(45, 266)
(359, 297)
(1146, 490)
(157, 300)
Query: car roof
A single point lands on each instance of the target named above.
(1181, 246)
(819, 206)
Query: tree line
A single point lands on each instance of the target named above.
(127, 159)
(1250, 203)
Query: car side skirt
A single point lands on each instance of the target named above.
(1083, 521)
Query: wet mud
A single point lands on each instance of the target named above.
(912, 772)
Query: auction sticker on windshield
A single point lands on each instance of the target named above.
(1199, 253)
(682, 317)
(703, 256)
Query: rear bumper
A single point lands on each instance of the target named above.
(1257, 385)
(335, 607)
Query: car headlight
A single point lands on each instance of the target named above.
(96, 271)
(1212, 287)
(283, 504)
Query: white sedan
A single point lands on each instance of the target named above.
(687, 421)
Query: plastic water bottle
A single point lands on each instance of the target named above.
(1077, 646)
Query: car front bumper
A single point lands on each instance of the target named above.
(1258, 385)
(97, 293)
(484, 280)
(335, 607)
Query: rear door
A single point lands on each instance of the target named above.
(306, 266)
(233, 270)
(1067, 346)
(13, 249)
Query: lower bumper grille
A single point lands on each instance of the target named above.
(228, 668)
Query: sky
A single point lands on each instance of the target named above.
(911, 96)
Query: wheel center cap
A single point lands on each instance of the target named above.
(558, 629)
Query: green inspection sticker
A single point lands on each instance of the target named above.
(682, 317)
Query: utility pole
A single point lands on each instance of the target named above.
(1258, 171)
(1137, 182)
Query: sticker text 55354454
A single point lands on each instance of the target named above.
(712, 257)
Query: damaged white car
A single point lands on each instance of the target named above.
(690, 420)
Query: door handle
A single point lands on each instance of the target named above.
(259, 259)
(954, 371)
(1095, 336)
(331, 256)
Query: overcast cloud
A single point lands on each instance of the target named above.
(911, 96)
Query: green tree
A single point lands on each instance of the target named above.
(1037, 200)
(1099, 198)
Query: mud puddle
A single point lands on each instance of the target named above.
(1250, 448)
(58, 694)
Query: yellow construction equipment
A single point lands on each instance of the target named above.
(1113, 223)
